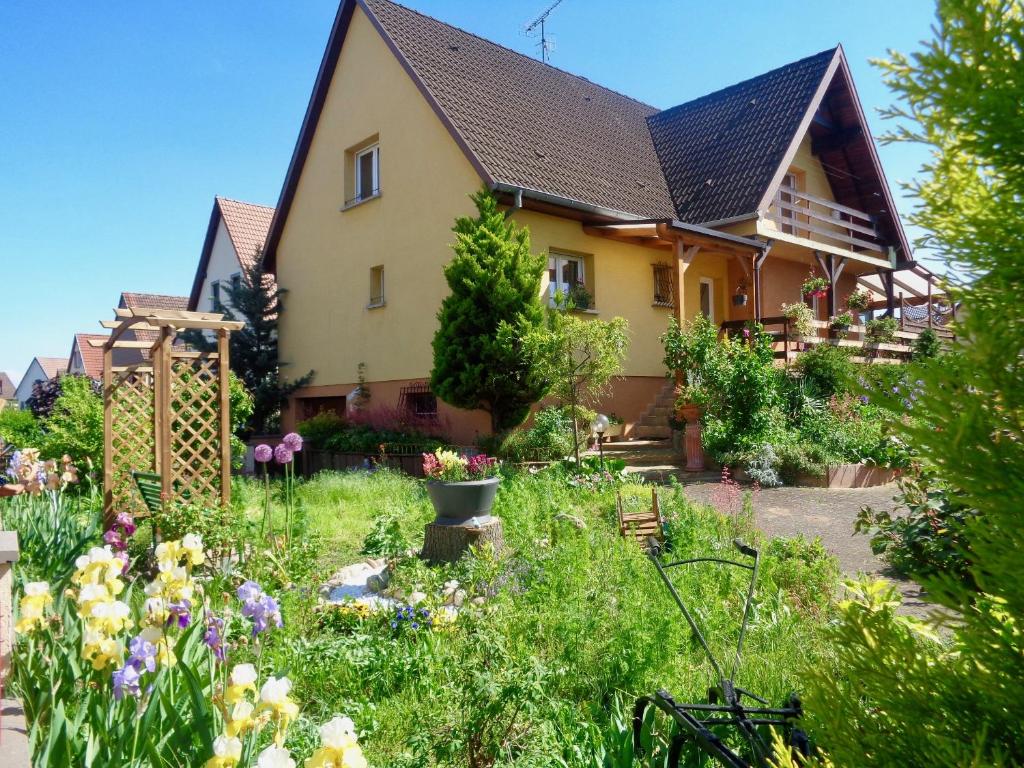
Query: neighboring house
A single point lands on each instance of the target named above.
(7, 390)
(85, 358)
(40, 369)
(659, 213)
(234, 240)
(129, 300)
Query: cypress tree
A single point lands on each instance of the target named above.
(495, 286)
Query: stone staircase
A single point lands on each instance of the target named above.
(653, 424)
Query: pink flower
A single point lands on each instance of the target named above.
(294, 441)
(283, 454)
(431, 466)
(263, 453)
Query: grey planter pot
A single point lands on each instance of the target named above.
(460, 503)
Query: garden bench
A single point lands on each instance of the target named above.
(641, 525)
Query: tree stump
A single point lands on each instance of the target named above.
(447, 543)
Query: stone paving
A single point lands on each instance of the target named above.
(13, 736)
(828, 514)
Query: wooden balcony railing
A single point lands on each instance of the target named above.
(787, 345)
(814, 218)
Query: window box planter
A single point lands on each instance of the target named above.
(458, 503)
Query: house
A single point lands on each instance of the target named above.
(40, 369)
(129, 301)
(234, 240)
(658, 213)
(86, 358)
(7, 390)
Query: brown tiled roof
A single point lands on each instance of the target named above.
(53, 366)
(565, 140)
(247, 225)
(532, 125)
(720, 152)
(92, 357)
(6, 387)
(152, 301)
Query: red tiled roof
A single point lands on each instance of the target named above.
(247, 225)
(53, 366)
(92, 357)
(152, 301)
(6, 387)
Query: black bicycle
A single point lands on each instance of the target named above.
(713, 727)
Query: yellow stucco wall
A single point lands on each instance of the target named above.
(325, 254)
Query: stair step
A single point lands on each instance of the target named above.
(649, 430)
(625, 446)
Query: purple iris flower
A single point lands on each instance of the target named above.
(250, 590)
(143, 654)
(127, 522)
(113, 538)
(214, 636)
(180, 612)
(126, 680)
(258, 606)
(864, 399)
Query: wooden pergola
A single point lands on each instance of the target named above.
(166, 408)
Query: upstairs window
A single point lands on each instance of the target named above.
(663, 285)
(367, 173)
(215, 302)
(236, 283)
(376, 287)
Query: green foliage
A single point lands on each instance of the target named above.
(901, 696)
(926, 346)
(859, 299)
(318, 429)
(800, 319)
(242, 405)
(694, 352)
(927, 536)
(881, 329)
(362, 438)
(494, 284)
(549, 438)
(386, 538)
(578, 357)
(256, 300)
(75, 425)
(20, 428)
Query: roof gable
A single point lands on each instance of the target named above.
(92, 357)
(53, 366)
(7, 387)
(152, 301)
(721, 152)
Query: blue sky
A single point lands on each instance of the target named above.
(121, 120)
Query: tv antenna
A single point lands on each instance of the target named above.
(546, 45)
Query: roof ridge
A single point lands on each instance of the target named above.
(736, 86)
(243, 202)
(517, 53)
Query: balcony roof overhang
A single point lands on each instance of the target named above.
(667, 233)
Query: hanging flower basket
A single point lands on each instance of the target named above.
(815, 286)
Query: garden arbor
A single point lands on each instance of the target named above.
(165, 408)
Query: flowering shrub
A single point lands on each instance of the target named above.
(801, 320)
(451, 467)
(34, 476)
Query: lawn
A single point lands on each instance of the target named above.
(570, 624)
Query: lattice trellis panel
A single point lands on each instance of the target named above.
(133, 441)
(195, 429)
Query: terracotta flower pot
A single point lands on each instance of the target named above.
(457, 503)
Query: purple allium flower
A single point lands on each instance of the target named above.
(263, 453)
(180, 612)
(143, 654)
(283, 454)
(294, 441)
(214, 636)
(126, 680)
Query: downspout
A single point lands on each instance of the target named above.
(517, 202)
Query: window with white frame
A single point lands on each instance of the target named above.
(707, 298)
(367, 173)
(564, 273)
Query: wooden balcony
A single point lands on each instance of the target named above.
(818, 220)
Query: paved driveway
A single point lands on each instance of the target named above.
(830, 515)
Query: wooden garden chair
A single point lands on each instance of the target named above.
(641, 525)
(150, 489)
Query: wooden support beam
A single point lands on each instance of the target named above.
(225, 418)
(108, 436)
(759, 260)
(122, 344)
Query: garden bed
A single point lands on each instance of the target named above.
(410, 462)
(838, 476)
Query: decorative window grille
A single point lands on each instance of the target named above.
(367, 169)
(663, 285)
(376, 286)
(418, 400)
